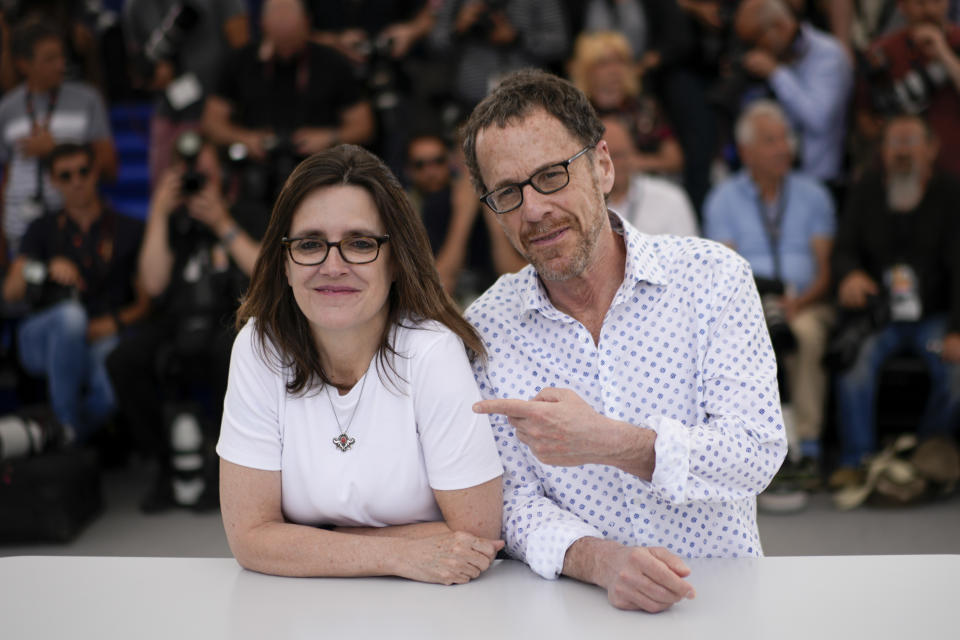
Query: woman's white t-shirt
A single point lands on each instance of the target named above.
(414, 432)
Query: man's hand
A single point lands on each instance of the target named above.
(166, 196)
(468, 15)
(759, 63)
(310, 140)
(402, 37)
(951, 348)
(65, 272)
(38, 144)
(931, 41)
(855, 288)
(503, 33)
(101, 327)
(208, 207)
(646, 578)
(563, 430)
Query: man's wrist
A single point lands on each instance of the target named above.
(585, 559)
(632, 449)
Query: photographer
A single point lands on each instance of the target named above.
(897, 246)
(42, 111)
(810, 74)
(179, 47)
(285, 98)
(916, 70)
(74, 269)
(493, 37)
(195, 262)
(783, 223)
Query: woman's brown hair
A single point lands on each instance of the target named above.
(416, 292)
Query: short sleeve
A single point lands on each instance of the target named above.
(458, 447)
(825, 219)
(716, 221)
(250, 433)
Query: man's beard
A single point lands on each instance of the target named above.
(905, 188)
(572, 265)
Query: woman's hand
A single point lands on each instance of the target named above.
(449, 558)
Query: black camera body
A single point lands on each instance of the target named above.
(771, 299)
(42, 292)
(909, 94)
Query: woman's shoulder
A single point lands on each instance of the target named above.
(255, 350)
(413, 336)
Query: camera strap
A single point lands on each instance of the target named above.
(32, 114)
(772, 227)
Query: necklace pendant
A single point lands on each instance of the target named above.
(343, 442)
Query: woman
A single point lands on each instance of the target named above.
(602, 67)
(348, 445)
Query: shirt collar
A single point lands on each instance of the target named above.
(642, 265)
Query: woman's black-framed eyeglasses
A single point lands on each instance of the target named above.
(310, 251)
(547, 180)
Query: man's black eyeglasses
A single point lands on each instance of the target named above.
(547, 180)
(422, 163)
(67, 175)
(311, 250)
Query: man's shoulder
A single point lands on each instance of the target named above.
(734, 190)
(807, 186)
(504, 298)
(683, 257)
(13, 100)
(823, 41)
(80, 91)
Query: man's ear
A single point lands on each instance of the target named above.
(604, 165)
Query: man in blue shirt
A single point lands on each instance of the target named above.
(810, 74)
(783, 223)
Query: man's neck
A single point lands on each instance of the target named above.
(588, 296)
(85, 215)
(38, 88)
(767, 186)
(619, 192)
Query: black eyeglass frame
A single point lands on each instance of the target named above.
(288, 242)
(485, 198)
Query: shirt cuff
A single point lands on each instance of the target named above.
(672, 450)
(547, 545)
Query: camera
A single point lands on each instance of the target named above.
(910, 94)
(771, 299)
(42, 292)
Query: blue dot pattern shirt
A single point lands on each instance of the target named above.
(684, 351)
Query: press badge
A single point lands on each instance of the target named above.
(901, 282)
(184, 91)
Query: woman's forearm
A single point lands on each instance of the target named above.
(286, 549)
(418, 530)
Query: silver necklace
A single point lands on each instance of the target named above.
(344, 441)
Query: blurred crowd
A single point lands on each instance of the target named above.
(818, 139)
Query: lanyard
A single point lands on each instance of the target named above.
(32, 114)
(772, 228)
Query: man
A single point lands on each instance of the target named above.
(197, 256)
(652, 205)
(75, 268)
(449, 211)
(897, 243)
(287, 96)
(630, 378)
(810, 74)
(917, 70)
(783, 223)
(37, 115)
(179, 49)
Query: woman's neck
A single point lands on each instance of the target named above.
(346, 354)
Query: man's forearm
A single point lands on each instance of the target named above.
(584, 558)
(631, 449)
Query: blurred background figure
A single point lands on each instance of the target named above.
(198, 251)
(896, 255)
(783, 223)
(809, 73)
(653, 205)
(490, 38)
(284, 98)
(603, 68)
(914, 70)
(39, 113)
(177, 48)
(74, 271)
(468, 245)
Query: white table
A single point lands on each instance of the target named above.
(814, 598)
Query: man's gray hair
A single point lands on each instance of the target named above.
(745, 130)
